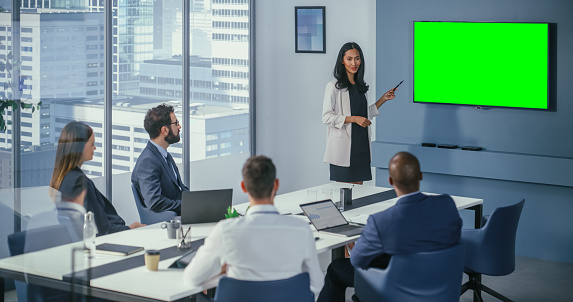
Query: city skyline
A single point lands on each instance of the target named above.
(62, 51)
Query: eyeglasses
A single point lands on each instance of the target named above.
(176, 123)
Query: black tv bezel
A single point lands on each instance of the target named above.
(547, 104)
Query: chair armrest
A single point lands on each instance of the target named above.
(484, 220)
(369, 283)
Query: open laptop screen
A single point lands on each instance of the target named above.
(205, 206)
(323, 214)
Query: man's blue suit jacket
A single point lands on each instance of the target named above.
(417, 223)
(156, 182)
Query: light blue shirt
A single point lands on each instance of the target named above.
(163, 153)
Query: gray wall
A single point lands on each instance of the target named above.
(290, 86)
(546, 228)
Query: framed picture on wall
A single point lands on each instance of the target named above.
(310, 29)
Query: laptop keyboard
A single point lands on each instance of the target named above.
(342, 228)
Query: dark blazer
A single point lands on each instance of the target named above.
(417, 223)
(106, 218)
(156, 183)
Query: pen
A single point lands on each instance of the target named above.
(397, 86)
(189, 229)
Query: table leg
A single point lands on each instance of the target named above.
(2, 289)
(337, 253)
(478, 214)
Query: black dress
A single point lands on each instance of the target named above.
(106, 218)
(359, 169)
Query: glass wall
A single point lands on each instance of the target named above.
(52, 55)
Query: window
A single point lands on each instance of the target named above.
(65, 52)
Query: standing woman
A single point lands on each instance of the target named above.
(76, 146)
(346, 113)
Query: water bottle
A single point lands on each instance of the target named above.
(90, 231)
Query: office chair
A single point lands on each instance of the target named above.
(32, 241)
(6, 228)
(74, 230)
(296, 288)
(146, 215)
(426, 276)
(490, 250)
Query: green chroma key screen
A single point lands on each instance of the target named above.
(481, 64)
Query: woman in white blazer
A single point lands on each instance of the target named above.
(346, 113)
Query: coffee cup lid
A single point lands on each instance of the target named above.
(152, 252)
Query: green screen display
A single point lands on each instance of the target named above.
(481, 64)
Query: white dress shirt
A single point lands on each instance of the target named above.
(261, 246)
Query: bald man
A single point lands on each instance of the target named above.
(416, 223)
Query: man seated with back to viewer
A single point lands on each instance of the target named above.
(155, 174)
(416, 223)
(69, 203)
(261, 246)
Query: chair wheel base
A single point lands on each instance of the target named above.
(475, 284)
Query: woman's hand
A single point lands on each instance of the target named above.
(136, 225)
(390, 94)
(362, 121)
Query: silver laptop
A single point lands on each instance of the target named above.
(326, 217)
(205, 206)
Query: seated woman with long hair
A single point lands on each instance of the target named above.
(76, 146)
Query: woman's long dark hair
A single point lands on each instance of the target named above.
(340, 71)
(73, 139)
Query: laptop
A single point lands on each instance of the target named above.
(326, 217)
(205, 206)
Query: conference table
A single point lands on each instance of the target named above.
(125, 278)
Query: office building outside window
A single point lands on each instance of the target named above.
(60, 61)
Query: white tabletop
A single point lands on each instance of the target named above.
(289, 203)
(168, 284)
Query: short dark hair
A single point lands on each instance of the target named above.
(405, 172)
(259, 175)
(340, 71)
(157, 117)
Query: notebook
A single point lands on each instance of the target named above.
(326, 217)
(205, 206)
(117, 249)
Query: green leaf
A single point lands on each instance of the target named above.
(231, 213)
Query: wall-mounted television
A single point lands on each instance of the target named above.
(489, 64)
